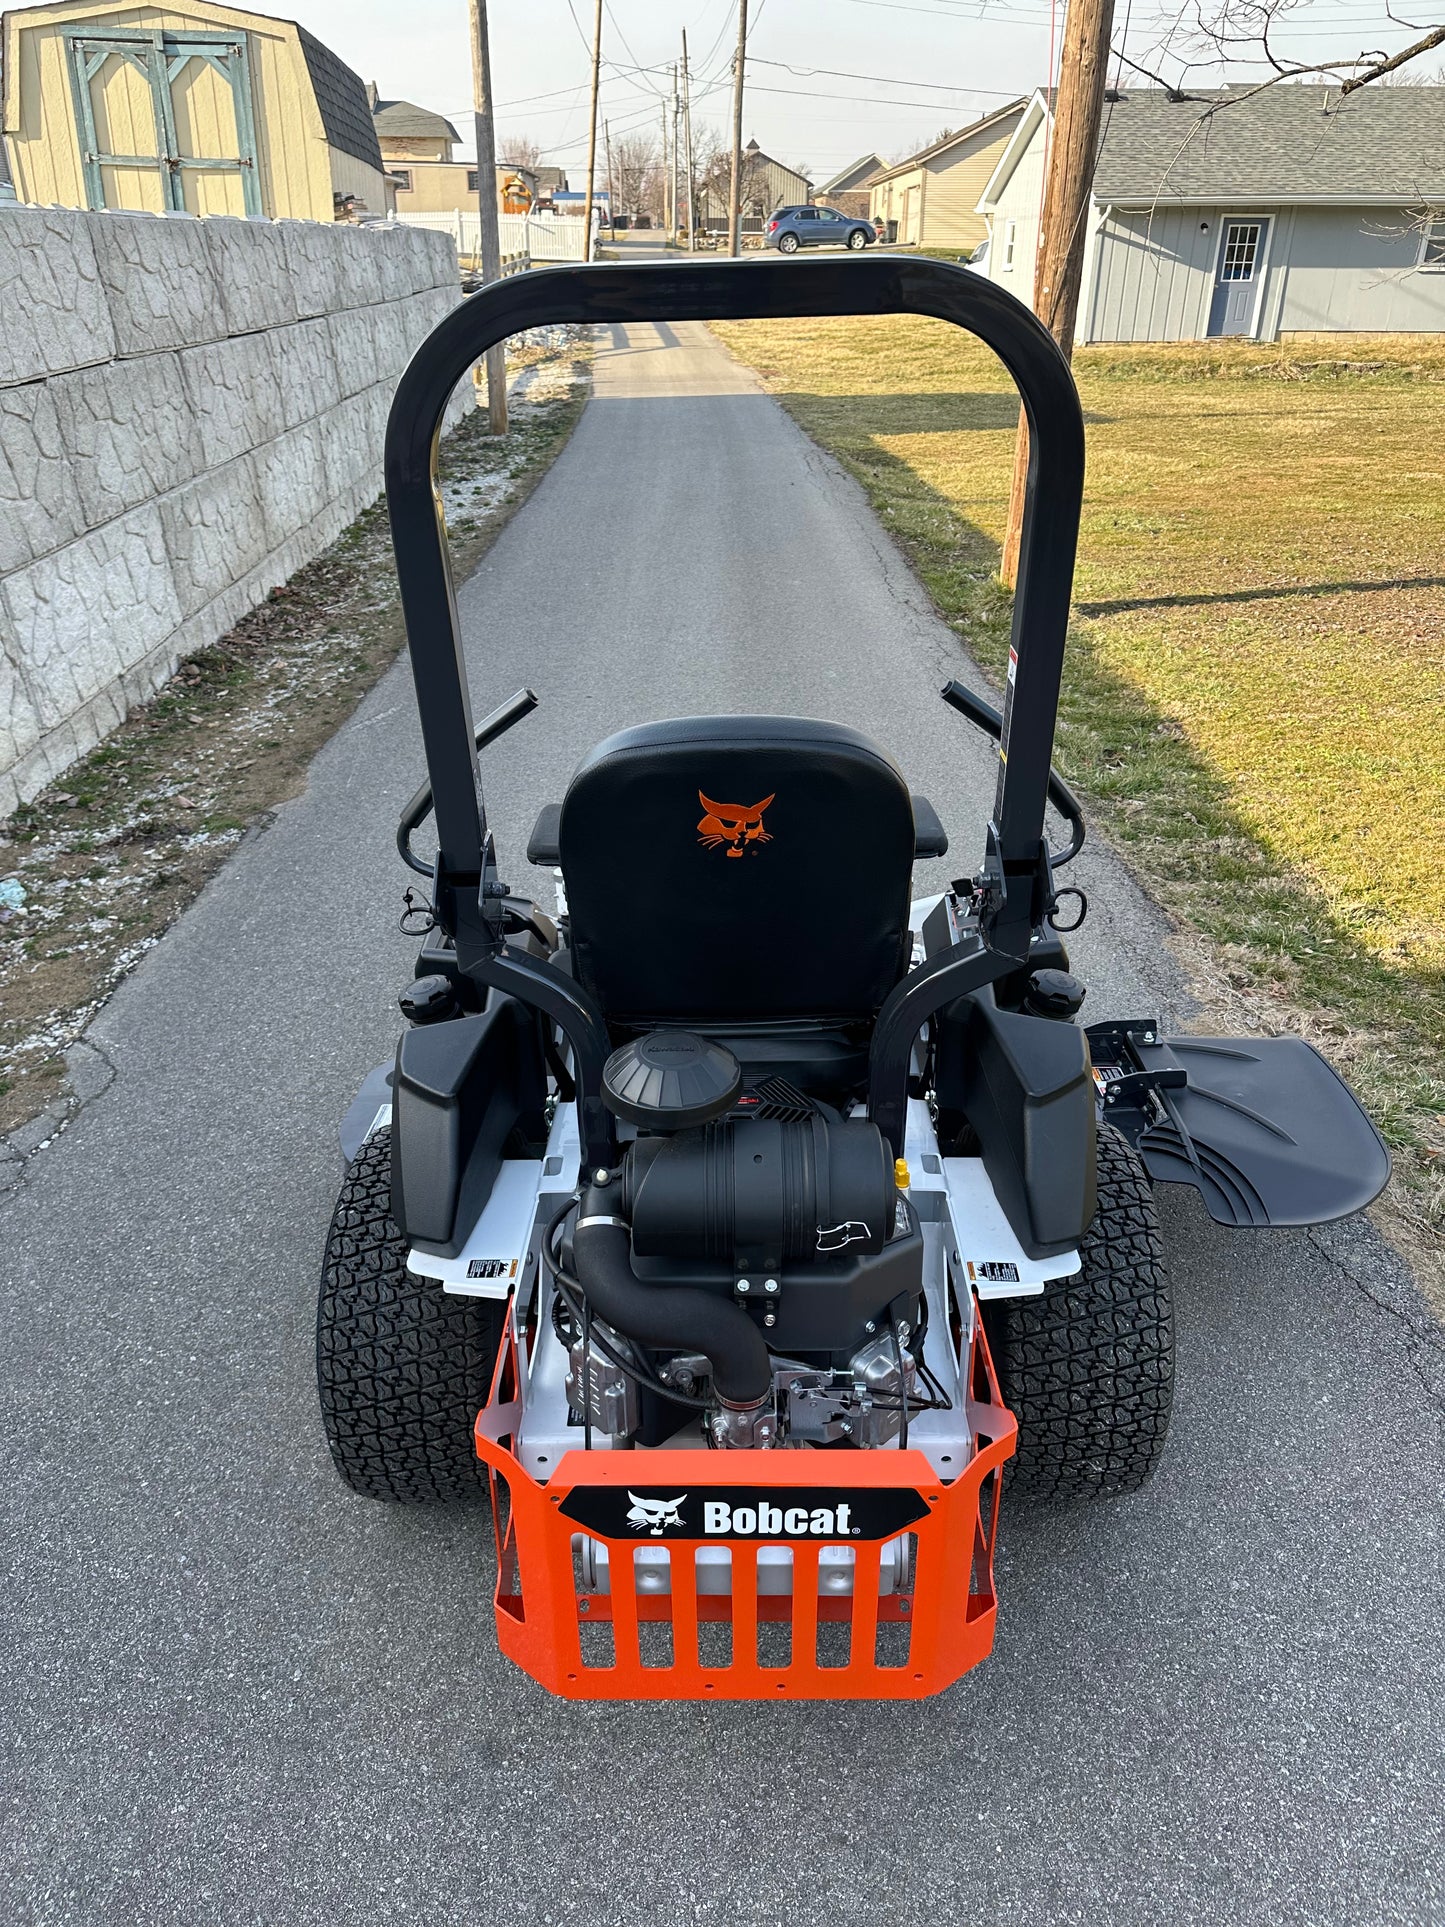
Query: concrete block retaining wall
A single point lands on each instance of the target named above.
(190, 410)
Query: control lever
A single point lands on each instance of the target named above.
(419, 808)
(984, 716)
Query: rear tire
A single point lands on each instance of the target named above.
(402, 1369)
(1087, 1367)
(857, 239)
(788, 244)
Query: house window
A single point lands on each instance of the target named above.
(1241, 251)
(402, 177)
(1432, 242)
(471, 180)
(1010, 232)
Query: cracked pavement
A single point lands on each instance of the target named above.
(233, 1691)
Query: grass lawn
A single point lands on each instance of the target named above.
(1255, 700)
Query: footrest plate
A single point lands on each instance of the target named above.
(1264, 1128)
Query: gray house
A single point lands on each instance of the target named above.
(1291, 212)
(848, 190)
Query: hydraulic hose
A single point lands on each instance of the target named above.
(671, 1317)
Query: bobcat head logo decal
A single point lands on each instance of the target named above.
(736, 824)
(655, 1515)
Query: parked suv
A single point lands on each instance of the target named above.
(791, 228)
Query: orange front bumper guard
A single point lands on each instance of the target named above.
(932, 1623)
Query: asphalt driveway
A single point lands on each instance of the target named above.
(230, 1691)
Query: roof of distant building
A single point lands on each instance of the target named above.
(404, 120)
(994, 119)
(852, 176)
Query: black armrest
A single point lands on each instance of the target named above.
(542, 844)
(929, 836)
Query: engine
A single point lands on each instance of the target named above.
(750, 1257)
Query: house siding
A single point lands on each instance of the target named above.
(945, 190)
(1154, 276)
(955, 181)
(1328, 270)
(1352, 270)
(766, 185)
(1019, 202)
(886, 199)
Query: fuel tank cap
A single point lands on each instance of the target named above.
(671, 1080)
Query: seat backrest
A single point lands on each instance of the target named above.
(737, 869)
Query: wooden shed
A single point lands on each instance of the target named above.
(195, 108)
(930, 200)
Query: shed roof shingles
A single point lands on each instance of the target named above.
(341, 97)
(1288, 141)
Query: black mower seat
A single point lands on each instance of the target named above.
(929, 836)
(737, 870)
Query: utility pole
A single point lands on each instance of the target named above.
(611, 203)
(490, 238)
(674, 177)
(687, 135)
(592, 134)
(736, 187)
(666, 195)
(1058, 272)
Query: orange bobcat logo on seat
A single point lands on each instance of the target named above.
(733, 824)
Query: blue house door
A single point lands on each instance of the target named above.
(1237, 278)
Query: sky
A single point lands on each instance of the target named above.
(827, 80)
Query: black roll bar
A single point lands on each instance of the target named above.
(1016, 861)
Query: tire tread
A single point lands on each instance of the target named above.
(402, 1368)
(1087, 1367)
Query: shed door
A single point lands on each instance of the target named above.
(118, 120)
(213, 150)
(1238, 277)
(165, 122)
(908, 227)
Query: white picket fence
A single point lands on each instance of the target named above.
(525, 237)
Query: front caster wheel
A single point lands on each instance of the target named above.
(402, 1368)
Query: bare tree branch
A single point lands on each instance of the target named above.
(1243, 31)
(1424, 45)
(1173, 92)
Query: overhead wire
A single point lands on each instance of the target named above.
(882, 80)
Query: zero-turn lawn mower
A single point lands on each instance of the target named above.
(738, 1224)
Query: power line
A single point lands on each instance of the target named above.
(868, 100)
(968, 10)
(883, 80)
(639, 68)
